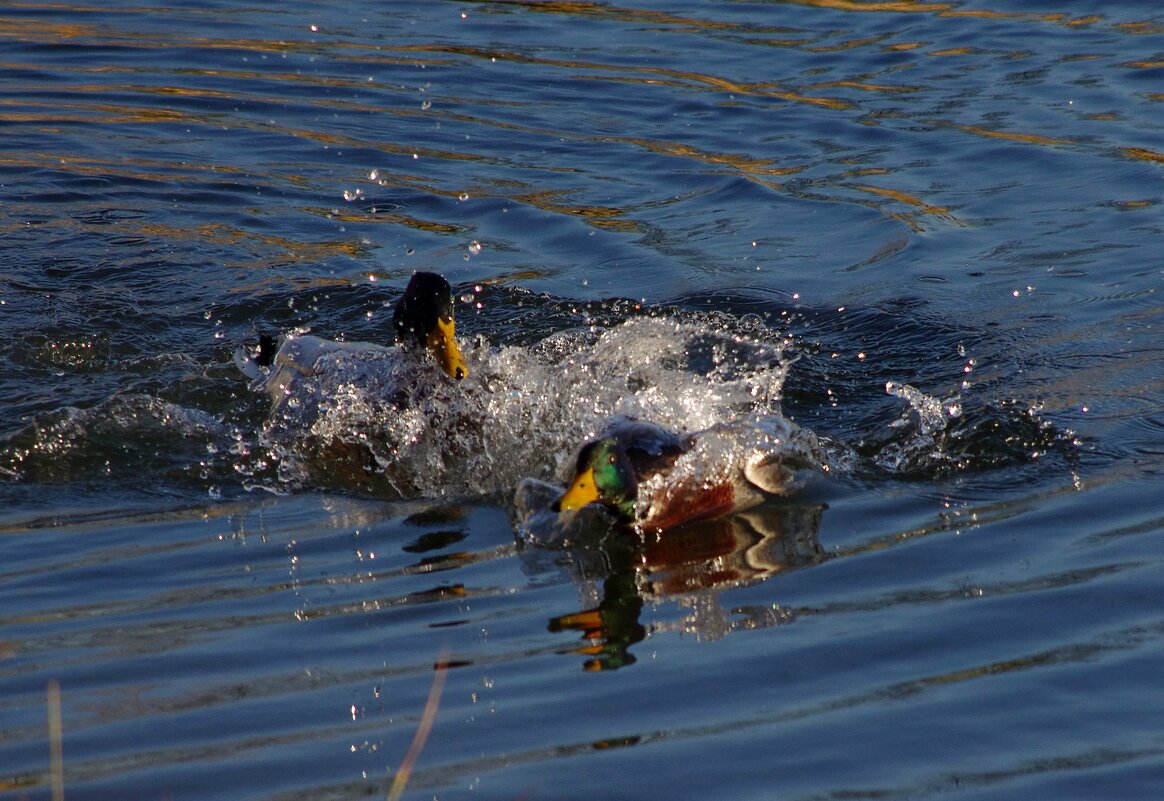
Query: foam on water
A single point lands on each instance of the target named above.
(127, 436)
(935, 436)
(521, 412)
(368, 419)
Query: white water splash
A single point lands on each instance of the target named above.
(521, 412)
(923, 422)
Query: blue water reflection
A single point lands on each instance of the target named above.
(929, 229)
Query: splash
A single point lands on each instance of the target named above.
(127, 436)
(938, 436)
(370, 418)
(919, 429)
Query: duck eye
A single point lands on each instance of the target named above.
(611, 459)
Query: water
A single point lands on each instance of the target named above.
(926, 232)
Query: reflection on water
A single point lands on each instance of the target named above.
(689, 565)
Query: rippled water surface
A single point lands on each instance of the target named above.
(927, 233)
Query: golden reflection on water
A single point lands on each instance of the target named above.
(606, 217)
(903, 6)
(823, 94)
(1142, 154)
(1141, 28)
(635, 74)
(866, 87)
(1033, 139)
(920, 205)
(1145, 64)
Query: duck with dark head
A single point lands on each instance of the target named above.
(334, 402)
(423, 319)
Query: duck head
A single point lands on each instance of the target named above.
(603, 474)
(424, 318)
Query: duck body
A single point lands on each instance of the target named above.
(343, 410)
(308, 375)
(424, 326)
(652, 478)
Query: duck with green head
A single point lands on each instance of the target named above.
(654, 479)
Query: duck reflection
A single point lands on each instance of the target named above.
(691, 565)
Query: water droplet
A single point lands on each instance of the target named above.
(374, 176)
(426, 105)
(463, 196)
(474, 247)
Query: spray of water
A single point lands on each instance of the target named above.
(396, 424)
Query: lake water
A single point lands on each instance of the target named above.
(929, 232)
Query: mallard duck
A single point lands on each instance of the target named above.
(653, 478)
(423, 319)
(340, 411)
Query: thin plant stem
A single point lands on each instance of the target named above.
(427, 718)
(56, 748)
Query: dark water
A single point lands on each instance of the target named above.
(928, 232)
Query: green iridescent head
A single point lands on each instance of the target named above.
(603, 474)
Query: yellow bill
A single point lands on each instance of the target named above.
(581, 492)
(442, 341)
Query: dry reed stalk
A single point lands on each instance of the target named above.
(56, 748)
(427, 718)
